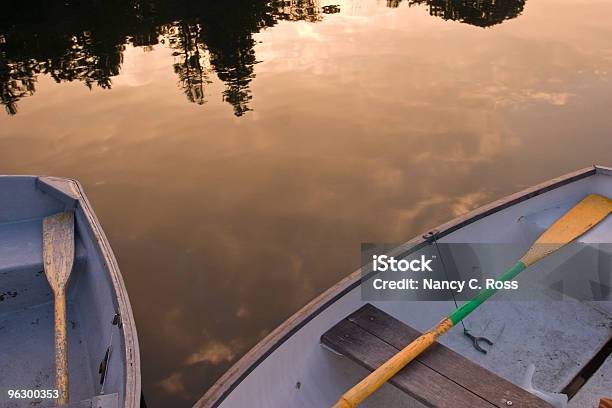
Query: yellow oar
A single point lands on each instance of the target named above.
(58, 255)
(578, 220)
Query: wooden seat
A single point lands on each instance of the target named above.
(439, 377)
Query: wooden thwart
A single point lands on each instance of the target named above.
(370, 337)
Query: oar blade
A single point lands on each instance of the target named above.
(58, 249)
(578, 220)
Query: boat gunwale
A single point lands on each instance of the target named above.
(76, 192)
(225, 385)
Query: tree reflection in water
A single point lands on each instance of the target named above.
(85, 41)
(191, 58)
(475, 12)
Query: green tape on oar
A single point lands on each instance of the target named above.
(467, 308)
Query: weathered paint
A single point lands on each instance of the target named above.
(61, 348)
(58, 255)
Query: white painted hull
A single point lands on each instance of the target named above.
(291, 369)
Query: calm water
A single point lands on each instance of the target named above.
(238, 152)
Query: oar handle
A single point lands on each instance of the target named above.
(61, 348)
(378, 377)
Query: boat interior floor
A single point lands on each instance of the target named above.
(598, 384)
(100, 401)
(27, 320)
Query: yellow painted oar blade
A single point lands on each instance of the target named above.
(578, 220)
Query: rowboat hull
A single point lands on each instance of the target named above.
(103, 354)
(290, 367)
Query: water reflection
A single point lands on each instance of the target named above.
(85, 41)
(306, 10)
(192, 59)
(475, 12)
(373, 124)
